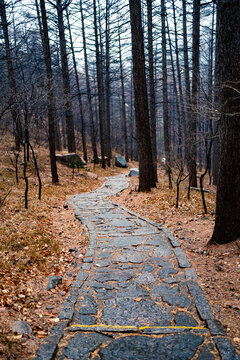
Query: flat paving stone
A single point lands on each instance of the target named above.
(174, 347)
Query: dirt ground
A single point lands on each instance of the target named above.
(218, 267)
(41, 241)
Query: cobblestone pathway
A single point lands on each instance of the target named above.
(136, 296)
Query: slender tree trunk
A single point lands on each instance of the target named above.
(152, 89)
(187, 86)
(89, 95)
(123, 102)
(11, 77)
(227, 220)
(79, 95)
(165, 86)
(50, 94)
(66, 80)
(176, 97)
(108, 92)
(146, 172)
(99, 86)
(195, 81)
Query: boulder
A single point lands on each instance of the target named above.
(134, 172)
(71, 160)
(22, 328)
(53, 282)
(120, 162)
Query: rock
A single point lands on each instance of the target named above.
(120, 162)
(91, 175)
(71, 160)
(21, 327)
(134, 172)
(53, 282)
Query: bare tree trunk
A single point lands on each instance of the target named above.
(66, 80)
(89, 95)
(107, 84)
(146, 172)
(100, 87)
(79, 95)
(227, 220)
(152, 89)
(195, 80)
(165, 86)
(50, 94)
(11, 77)
(123, 102)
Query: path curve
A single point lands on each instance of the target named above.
(136, 296)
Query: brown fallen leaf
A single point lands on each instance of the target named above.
(138, 299)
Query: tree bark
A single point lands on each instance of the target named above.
(152, 89)
(11, 77)
(146, 172)
(165, 86)
(99, 86)
(227, 222)
(66, 81)
(108, 92)
(50, 94)
(195, 81)
(79, 94)
(123, 102)
(89, 95)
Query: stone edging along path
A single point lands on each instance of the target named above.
(136, 296)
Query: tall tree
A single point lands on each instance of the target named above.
(50, 94)
(152, 96)
(11, 75)
(66, 80)
(195, 81)
(227, 222)
(99, 86)
(146, 172)
(79, 94)
(165, 85)
(89, 95)
(123, 102)
(107, 85)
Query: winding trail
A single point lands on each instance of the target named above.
(136, 296)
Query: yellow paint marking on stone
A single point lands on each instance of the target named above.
(138, 328)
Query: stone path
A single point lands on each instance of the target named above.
(136, 296)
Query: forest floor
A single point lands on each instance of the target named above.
(40, 241)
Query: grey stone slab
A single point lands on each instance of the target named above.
(202, 305)
(173, 240)
(126, 311)
(131, 257)
(226, 349)
(205, 354)
(86, 266)
(166, 272)
(102, 263)
(191, 274)
(82, 345)
(86, 319)
(162, 251)
(145, 279)
(177, 300)
(67, 309)
(81, 276)
(181, 257)
(123, 241)
(88, 260)
(215, 327)
(122, 275)
(157, 291)
(47, 350)
(172, 347)
(185, 319)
